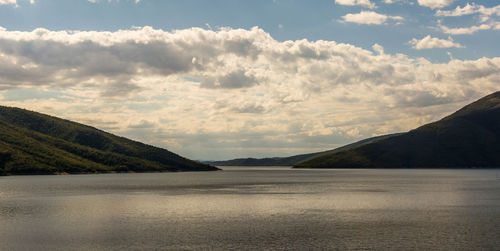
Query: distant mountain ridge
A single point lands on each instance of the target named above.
(35, 143)
(468, 138)
(292, 160)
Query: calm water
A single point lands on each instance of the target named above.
(254, 209)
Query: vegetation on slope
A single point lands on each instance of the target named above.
(292, 160)
(469, 138)
(34, 143)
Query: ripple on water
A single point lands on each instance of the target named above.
(249, 209)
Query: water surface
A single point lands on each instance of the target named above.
(253, 209)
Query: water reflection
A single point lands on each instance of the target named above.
(260, 208)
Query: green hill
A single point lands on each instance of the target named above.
(292, 160)
(34, 143)
(469, 138)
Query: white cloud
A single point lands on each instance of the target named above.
(435, 4)
(370, 18)
(470, 9)
(232, 92)
(14, 2)
(364, 3)
(408, 2)
(235, 79)
(468, 30)
(486, 20)
(11, 2)
(378, 48)
(429, 42)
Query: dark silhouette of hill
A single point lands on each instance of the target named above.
(34, 143)
(468, 138)
(292, 160)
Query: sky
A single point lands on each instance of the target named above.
(214, 80)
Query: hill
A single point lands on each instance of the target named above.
(468, 138)
(34, 143)
(292, 160)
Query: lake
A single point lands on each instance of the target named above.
(245, 208)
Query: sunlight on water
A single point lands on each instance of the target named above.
(253, 208)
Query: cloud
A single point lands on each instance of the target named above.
(486, 20)
(378, 48)
(470, 9)
(11, 2)
(119, 89)
(429, 42)
(248, 108)
(469, 30)
(369, 17)
(435, 4)
(143, 124)
(232, 92)
(395, 1)
(236, 79)
(44, 57)
(364, 3)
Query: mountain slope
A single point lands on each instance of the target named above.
(468, 138)
(292, 160)
(34, 143)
